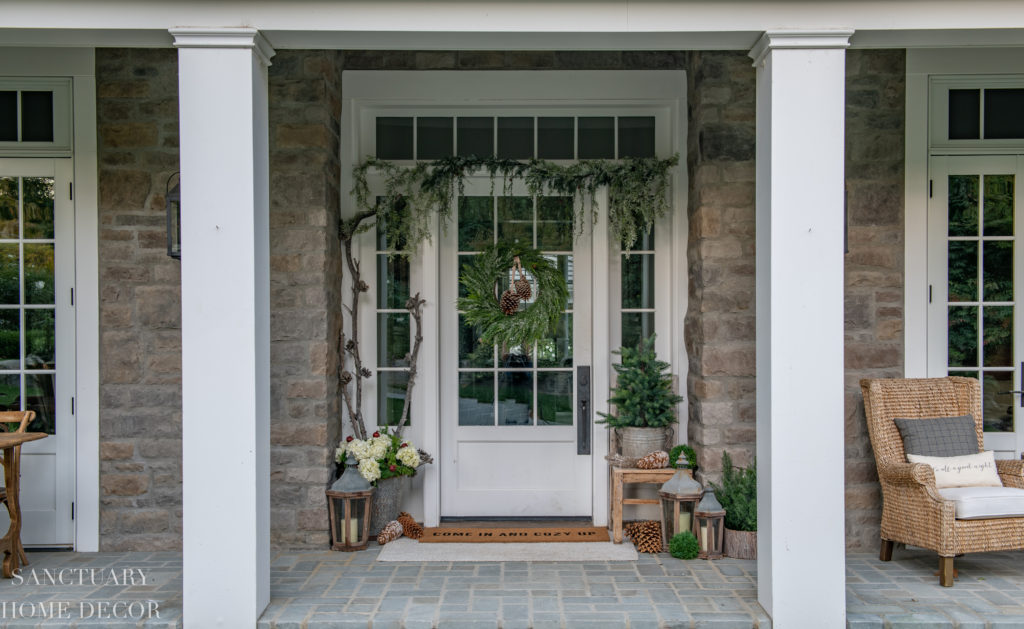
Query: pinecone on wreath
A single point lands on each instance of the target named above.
(509, 302)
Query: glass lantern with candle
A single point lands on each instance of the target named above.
(679, 498)
(709, 526)
(348, 506)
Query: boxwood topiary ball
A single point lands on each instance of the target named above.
(683, 545)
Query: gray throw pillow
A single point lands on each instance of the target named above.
(939, 436)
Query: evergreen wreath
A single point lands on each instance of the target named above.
(490, 271)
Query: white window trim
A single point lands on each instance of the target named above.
(533, 89)
(922, 66)
(80, 65)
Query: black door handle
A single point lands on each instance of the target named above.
(583, 409)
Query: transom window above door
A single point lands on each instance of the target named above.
(35, 117)
(514, 137)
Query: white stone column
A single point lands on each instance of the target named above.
(225, 325)
(800, 154)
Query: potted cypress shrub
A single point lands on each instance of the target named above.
(644, 402)
(738, 495)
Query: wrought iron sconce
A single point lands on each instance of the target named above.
(172, 200)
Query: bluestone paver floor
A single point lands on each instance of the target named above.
(316, 590)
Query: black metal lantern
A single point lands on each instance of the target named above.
(679, 498)
(709, 526)
(172, 198)
(348, 507)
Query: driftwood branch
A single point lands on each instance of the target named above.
(349, 346)
(415, 308)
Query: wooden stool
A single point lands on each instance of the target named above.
(623, 476)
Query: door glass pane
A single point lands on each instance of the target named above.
(555, 138)
(476, 137)
(392, 281)
(555, 223)
(10, 392)
(515, 138)
(963, 270)
(998, 345)
(38, 207)
(998, 270)
(464, 262)
(1003, 117)
(963, 205)
(476, 399)
(40, 339)
(39, 274)
(997, 401)
(10, 339)
(636, 326)
(636, 136)
(394, 137)
(564, 264)
(515, 398)
(556, 350)
(476, 223)
(9, 207)
(8, 116)
(10, 283)
(596, 138)
(964, 114)
(554, 398)
(391, 388)
(39, 398)
(37, 116)
(433, 138)
(392, 339)
(638, 280)
(515, 219)
(963, 336)
(998, 205)
(473, 353)
(382, 229)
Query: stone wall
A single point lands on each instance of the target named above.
(719, 326)
(305, 286)
(875, 113)
(140, 297)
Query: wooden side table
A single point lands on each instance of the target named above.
(625, 476)
(10, 544)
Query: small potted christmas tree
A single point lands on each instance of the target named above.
(645, 405)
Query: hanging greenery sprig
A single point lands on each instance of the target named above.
(637, 191)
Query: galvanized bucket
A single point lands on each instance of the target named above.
(387, 502)
(638, 442)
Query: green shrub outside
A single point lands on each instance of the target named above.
(738, 495)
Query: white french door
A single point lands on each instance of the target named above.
(511, 442)
(975, 268)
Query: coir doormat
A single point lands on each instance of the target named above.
(525, 534)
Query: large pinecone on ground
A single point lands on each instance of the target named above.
(653, 461)
(509, 302)
(410, 527)
(646, 535)
(391, 532)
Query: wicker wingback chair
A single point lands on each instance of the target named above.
(913, 512)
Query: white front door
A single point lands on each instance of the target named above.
(511, 443)
(975, 269)
(37, 345)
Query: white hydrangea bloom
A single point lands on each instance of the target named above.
(378, 446)
(369, 469)
(359, 449)
(339, 454)
(409, 456)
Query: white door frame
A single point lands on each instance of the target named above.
(366, 91)
(80, 65)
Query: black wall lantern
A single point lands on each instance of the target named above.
(172, 199)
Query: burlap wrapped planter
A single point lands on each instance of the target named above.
(740, 544)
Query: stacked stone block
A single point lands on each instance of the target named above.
(140, 302)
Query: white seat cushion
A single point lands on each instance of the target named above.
(979, 503)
